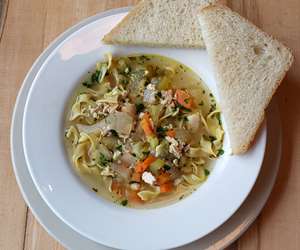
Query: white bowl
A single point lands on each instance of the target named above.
(97, 219)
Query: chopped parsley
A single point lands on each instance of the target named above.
(161, 131)
(95, 76)
(218, 116)
(201, 103)
(144, 58)
(212, 107)
(103, 161)
(124, 203)
(114, 133)
(85, 83)
(124, 80)
(146, 152)
(139, 107)
(211, 95)
(220, 152)
(203, 91)
(212, 138)
(166, 167)
(206, 172)
(119, 147)
(182, 108)
(95, 190)
(158, 94)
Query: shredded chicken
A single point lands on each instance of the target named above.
(102, 109)
(167, 97)
(148, 178)
(150, 94)
(176, 147)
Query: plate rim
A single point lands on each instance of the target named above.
(13, 124)
(221, 243)
(75, 28)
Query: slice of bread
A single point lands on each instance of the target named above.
(249, 66)
(160, 23)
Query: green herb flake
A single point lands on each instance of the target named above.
(206, 172)
(119, 147)
(95, 76)
(181, 197)
(124, 203)
(212, 108)
(114, 133)
(203, 91)
(103, 161)
(220, 152)
(212, 138)
(124, 81)
(158, 94)
(132, 58)
(95, 190)
(146, 152)
(183, 109)
(139, 107)
(146, 58)
(167, 167)
(161, 131)
(201, 103)
(211, 95)
(218, 116)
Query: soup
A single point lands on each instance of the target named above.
(142, 130)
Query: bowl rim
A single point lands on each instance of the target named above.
(64, 36)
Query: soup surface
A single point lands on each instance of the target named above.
(141, 130)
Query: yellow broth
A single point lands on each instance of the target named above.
(208, 137)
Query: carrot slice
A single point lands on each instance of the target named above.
(146, 125)
(171, 133)
(142, 166)
(136, 177)
(166, 187)
(163, 178)
(184, 98)
(117, 188)
(133, 197)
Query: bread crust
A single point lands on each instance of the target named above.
(243, 147)
(138, 10)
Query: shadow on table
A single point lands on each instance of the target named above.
(289, 106)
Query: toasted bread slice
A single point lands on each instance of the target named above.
(249, 66)
(157, 23)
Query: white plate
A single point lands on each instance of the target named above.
(218, 239)
(96, 219)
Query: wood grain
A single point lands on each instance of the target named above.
(3, 15)
(278, 224)
(18, 49)
(30, 25)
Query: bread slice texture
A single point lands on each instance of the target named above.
(249, 65)
(160, 23)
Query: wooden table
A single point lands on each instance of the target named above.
(30, 25)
